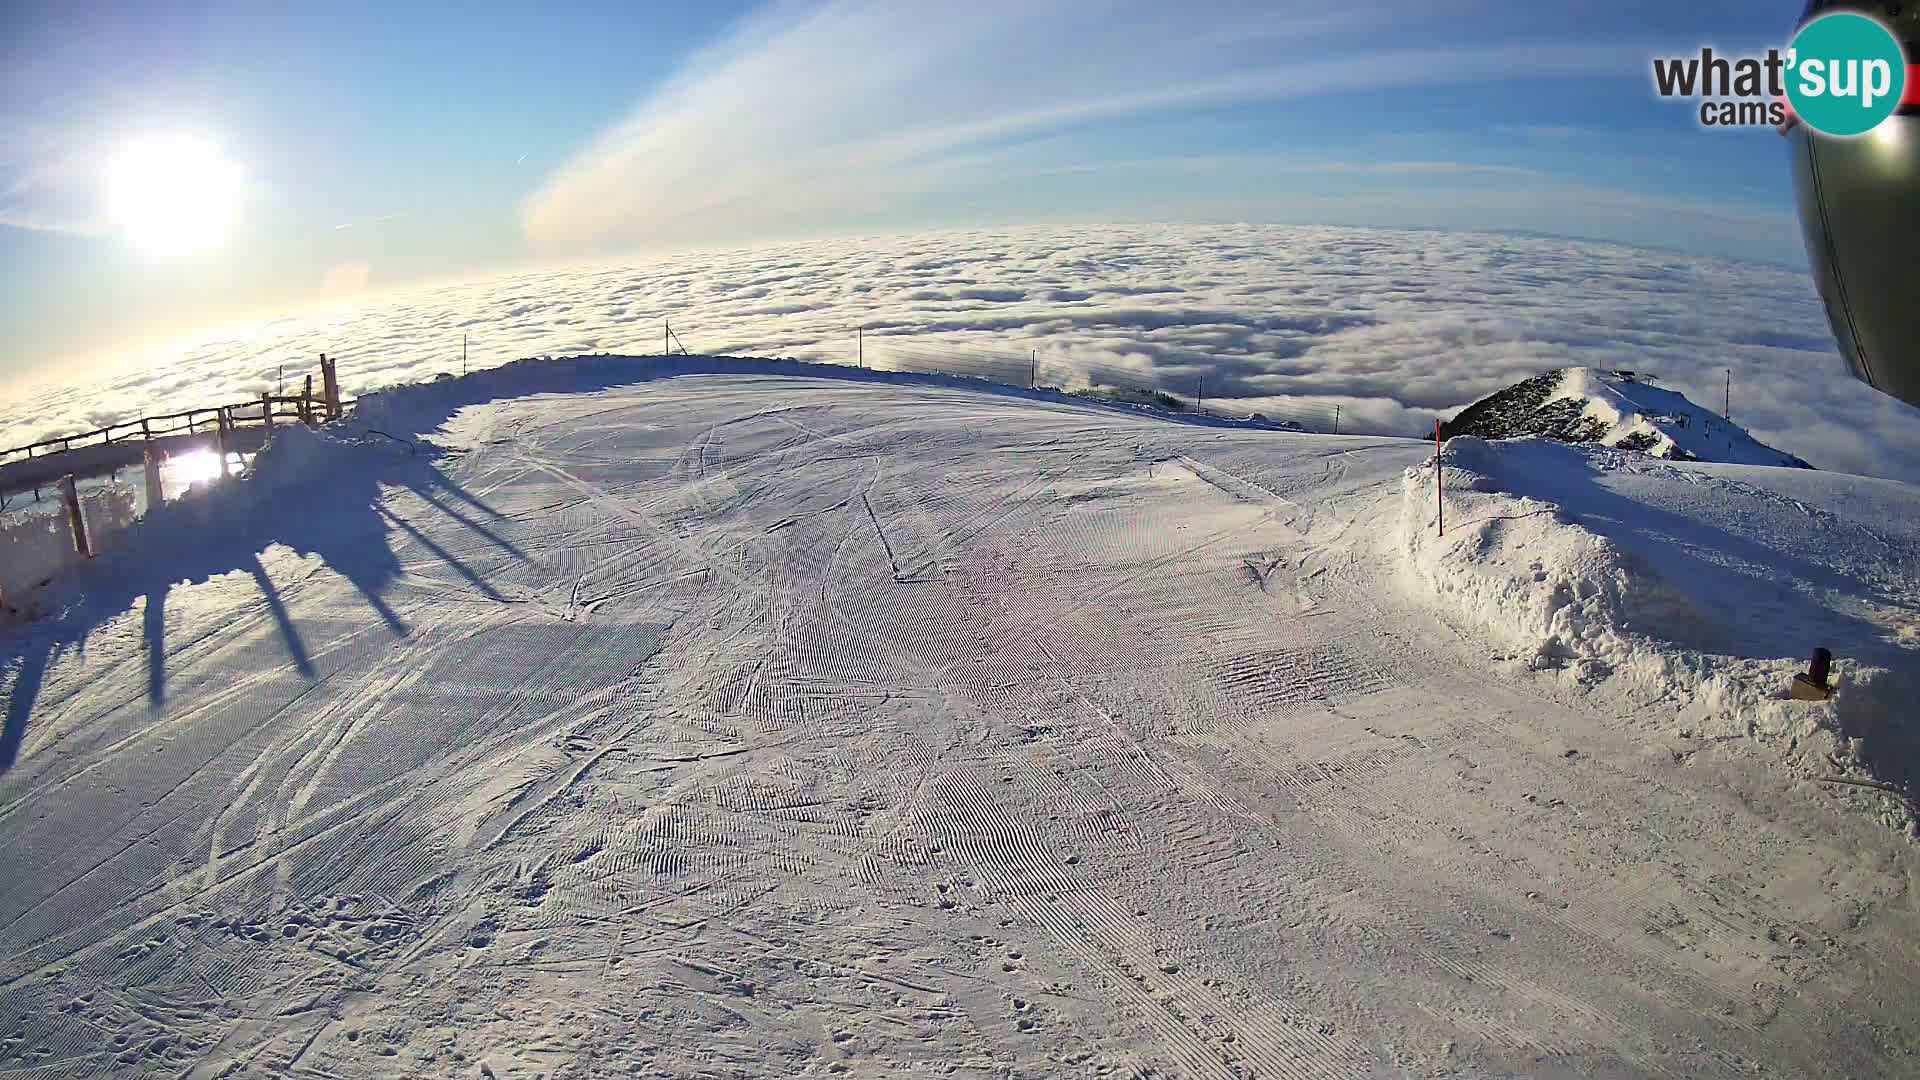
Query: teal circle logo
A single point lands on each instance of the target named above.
(1845, 74)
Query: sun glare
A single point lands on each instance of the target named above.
(194, 467)
(173, 193)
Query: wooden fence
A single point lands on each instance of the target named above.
(306, 407)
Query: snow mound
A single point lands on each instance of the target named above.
(37, 547)
(1701, 589)
(1621, 409)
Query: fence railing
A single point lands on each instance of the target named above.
(306, 407)
(1174, 391)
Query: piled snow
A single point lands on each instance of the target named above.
(1614, 408)
(39, 546)
(1701, 589)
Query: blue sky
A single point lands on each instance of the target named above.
(387, 144)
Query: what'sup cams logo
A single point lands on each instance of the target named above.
(1843, 74)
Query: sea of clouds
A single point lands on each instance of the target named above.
(1395, 326)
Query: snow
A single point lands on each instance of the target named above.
(1695, 590)
(1661, 422)
(1394, 326)
(38, 546)
(727, 718)
(1614, 408)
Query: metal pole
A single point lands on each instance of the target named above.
(266, 413)
(1727, 410)
(666, 337)
(1439, 481)
(1033, 381)
(860, 346)
(463, 354)
(1336, 419)
(1199, 392)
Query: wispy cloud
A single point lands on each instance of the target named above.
(370, 221)
(49, 178)
(805, 108)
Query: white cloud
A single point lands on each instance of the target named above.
(826, 107)
(1395, 326)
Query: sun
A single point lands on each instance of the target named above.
(173, 193)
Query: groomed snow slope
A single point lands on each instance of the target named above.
(1694, 591)
(752, 722)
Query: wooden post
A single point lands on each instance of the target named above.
(666, 337)
(306, 403)
(1033, 367)
(1336, 418)
(860, 346)
(155, 493)
(146, 429)
(330, 381)
(1439, 482)
(82, 543)
(225, 437)
(266, 413)
(1199, 392)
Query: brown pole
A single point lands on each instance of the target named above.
(225, 437)
(155, 493)
(306, 403)
(266, 412)
(330, 381)
(77, 517)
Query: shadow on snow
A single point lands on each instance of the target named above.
(339, 512)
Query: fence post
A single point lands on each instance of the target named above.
(155, 493)
(1033, 359)
(82, 543)
(1199, 393)
(266, 413)
(306, 403)
(666, 337)
(1336, 419)
(1439, 480)
(330, 382)
(860, 346)
(224, 420)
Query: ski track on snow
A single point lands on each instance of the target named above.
(749, 726)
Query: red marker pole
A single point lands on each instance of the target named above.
(1439, 482)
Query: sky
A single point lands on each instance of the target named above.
(368, 147)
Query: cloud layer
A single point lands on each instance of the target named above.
(850, 106)
(1395, 326)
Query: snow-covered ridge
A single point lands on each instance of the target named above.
(1620, 409)
(1699, 589)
